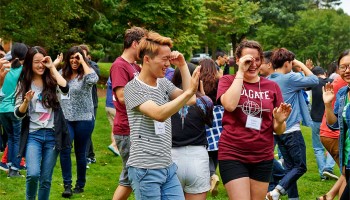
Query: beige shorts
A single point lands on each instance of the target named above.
(193, 168)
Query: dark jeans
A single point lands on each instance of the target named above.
(89, 146)
(12, 127)
(292, 146)
(80, 132)
(278, 173)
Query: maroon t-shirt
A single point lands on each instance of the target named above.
(121, 73)
(245, 144)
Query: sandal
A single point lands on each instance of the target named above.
(324, 197)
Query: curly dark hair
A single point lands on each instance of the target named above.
(67, 70)
(49, 96)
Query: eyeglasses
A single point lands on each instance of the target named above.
(344, 67)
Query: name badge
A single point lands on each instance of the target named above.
(40, 108)
(253, 123)
(159, 127)
(65, 96)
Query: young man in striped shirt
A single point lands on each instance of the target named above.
(151, 100)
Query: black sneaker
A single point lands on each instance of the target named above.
(67, 191)
(4, 167)
(14, 174)
(78, 190)
(329, 174)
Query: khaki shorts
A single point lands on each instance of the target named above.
(193, 168)
(332, 146)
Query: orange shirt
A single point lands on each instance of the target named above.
(324, 130)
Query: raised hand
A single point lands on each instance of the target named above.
(309, 64)
(47, 62)
(282, 113)
(327, 93)
(79, 57)
(195, 80)
(177, 59)
(245, 62)
(58, 60)
(29, 95)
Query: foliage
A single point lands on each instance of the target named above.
(318, 34)
(228, 20)
(181, 20)
(44, 23)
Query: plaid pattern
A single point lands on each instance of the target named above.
(213, 134)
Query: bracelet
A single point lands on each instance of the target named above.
(238, 77)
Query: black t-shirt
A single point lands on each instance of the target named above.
(317, 106)
(188, 126)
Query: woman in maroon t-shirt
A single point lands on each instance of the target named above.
(253, 111)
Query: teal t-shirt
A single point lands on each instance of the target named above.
(346, 144)
(9, 90)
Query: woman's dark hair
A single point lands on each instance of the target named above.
(343, 54)
(177, 81)
(209, 77)
(18, 53)
(332, 68)
(49, 96)
(67, 70)
(248, 44)
(280, 56)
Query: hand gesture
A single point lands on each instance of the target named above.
(47, 62)
(309, 64)
(245, 62)
(79, 57)
(201, 88)
(195, 80)
(282, 113)
(58, 60)
(327, 93)
(29, 95)
(177, 59)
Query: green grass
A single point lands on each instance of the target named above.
(102, 177)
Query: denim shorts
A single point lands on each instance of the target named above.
(156, 184)
(123, 144)
(194, 176)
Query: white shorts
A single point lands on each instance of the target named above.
(193, 168)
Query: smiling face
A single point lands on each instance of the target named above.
(159, 64)
(74, 62)
(38, 68)
(253, 70)
(345, 62)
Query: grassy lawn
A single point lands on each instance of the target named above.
(102, 177)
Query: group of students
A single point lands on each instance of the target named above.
(46, 110)
(164, 128)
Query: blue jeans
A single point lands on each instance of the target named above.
(41, 159)
(79, 132)
(324, 163)
(156, 184)
(12, 127)
(292, 146)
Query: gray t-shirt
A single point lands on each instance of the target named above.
(148, 149)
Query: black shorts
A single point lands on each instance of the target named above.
(233, 169)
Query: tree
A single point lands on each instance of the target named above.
(182, 20)
(46, 23)
(318, 34)
(228, 22)
(328, 4)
